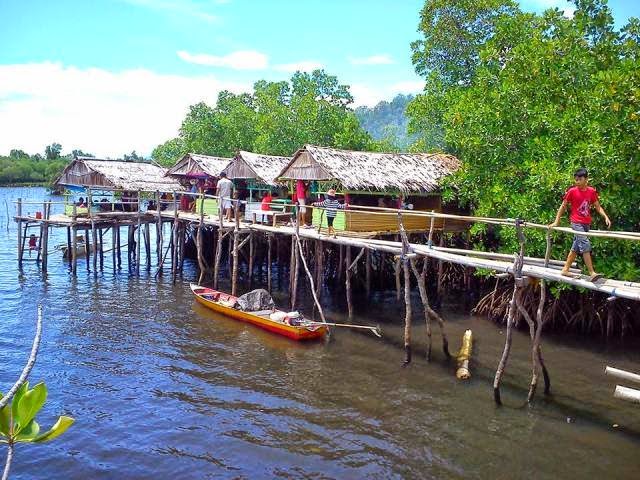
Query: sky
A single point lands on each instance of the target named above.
(112, 76)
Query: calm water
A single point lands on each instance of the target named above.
(163, 388)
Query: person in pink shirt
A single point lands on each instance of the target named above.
(301, 198)
(581, 197)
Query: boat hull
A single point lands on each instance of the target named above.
(291, 331)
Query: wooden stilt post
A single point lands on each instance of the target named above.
(517, 285)
(251, 253)
(74, 243)
(94, 234)
(407, 312)
(292, 271)
(183, 240)
(87, 248)
(396, 271)
(114, 237)
(216, 267)
(100, 235)
(44, 240)
(296, 263)
(118, 243)
(138, 233)
(20, 242)
(236, 234)
(199, 241)
(368, 273)
(69, 245)
(269, 260)
(320, 267)
(158, 229)
(147, 244)
(174, 240)
(347, 263)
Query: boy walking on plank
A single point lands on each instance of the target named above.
(581, 197)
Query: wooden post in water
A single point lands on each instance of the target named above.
(236, 234)
(44, 240)
(158, 229)
(118, 249)
(100, 234)
(174, 240)
(94, 235)
(517, 285)
(292, 272)
(147, 244)
(199, 242)
(69, 245)
(347, 263)
(269, 260)
(320, 267)
(407, 311)
(74, 242)
(20, 243)
(138, 231)
(251, 253)
(368, 273)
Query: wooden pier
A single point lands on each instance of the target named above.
(410, 258)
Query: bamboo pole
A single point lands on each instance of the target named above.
(44, 241)
(87, 248)
(320, 267)
(139, 232)
(118, 245)
(158, 229)
(251, 254)
(174, 240)
(69, 245)
(199, 242)
(147, 244)
(113, 247)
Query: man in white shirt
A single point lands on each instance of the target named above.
(224, 191)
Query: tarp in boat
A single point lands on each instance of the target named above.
(255, 300)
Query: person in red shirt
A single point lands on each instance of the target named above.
(581, 197)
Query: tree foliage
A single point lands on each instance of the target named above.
(535, 98)
(388, 122)
(276, 119)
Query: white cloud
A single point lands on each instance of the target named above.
(187, 8)
(382, 59)
(99, 111)
(370, 96)
(240, 60)
(303, 66)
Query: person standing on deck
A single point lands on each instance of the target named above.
(331, 204)
(301, 197)
(224, 191)
(581, 197)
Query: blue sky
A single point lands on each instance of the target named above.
(112, 76)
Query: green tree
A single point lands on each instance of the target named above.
(53, 151)
(548, 94)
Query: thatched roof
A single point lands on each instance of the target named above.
(263, 168)
(370, 171)
(116, 174)
(200, 166)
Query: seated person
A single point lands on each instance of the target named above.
(81, 202)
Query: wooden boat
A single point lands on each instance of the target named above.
(272, 320)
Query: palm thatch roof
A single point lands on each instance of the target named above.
(116, 175)
(371, 171)
(193, 165)
(262, 168)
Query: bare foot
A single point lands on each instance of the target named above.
(567, 273)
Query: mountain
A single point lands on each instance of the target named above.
(387, 120)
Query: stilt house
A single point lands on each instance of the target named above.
(193, 166)
(369, 179)
(260, 173)
(113, 177)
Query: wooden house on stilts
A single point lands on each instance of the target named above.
(193, 167)
(371, 179)
(260, 173)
